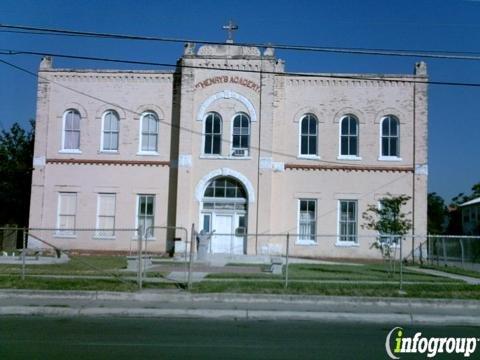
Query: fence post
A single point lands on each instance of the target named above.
(401, 264)
(286, 260)
(444, 252)
(24, 245)
(420, 255)
(192, 242)
(463, 252)
(186, 256)
(139, 271)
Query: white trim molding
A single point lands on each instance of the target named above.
(227, 94)
(204, 181)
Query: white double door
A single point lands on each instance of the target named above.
(224, 225)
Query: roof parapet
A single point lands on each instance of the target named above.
(421, 68)
(46, 63)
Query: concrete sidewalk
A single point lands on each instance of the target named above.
(468, 279)
(179, 304)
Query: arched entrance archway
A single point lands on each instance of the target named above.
(224, 210)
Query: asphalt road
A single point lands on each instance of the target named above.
(140, 338)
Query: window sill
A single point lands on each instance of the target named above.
(347, 244)
(309, 157)
(108, 151)
(148, 153)
(220, 157)
(64, 236)
(389, 158)
(306, 243)
(348, 157)
(104, 237)
(149, 239)
(69, 151)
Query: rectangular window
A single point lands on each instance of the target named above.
(106, 215)
(67, 209)
(347, 221)
(146, 211)
(307, 220)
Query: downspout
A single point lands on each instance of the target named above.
(259, 152)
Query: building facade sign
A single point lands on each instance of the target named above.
(228, 79)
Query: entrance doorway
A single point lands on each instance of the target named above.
(224, 212)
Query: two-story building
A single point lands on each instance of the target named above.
(232, 143)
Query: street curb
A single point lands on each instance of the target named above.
(242, 298)
(239, 314)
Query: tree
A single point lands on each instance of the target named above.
(436, 214)
(390, 222)
(16, 155)
(388, 218)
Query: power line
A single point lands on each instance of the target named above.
(181, 128)
(264, 72)
(436, 54)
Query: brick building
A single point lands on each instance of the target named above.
(229, 142)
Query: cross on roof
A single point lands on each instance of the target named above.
(230, 27)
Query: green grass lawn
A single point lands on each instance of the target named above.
(78, 265)
(32, 283)
(375, 272)
(433, 291)
(436, 287)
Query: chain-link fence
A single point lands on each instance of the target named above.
(107, 259)
(451, 250)
(268, 256)
(130, 258)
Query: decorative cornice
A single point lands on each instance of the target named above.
(361, 168)
(100, 76)
(374, 82)
(108, 162)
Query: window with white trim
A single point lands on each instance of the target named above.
(307, 220)
(146, 213)
(67, 212)
(213, 134)
(348, 221)
(308, 135)
(106, 203)
(390, 137)
(110, 131)
(149, 138)
(349, 136)
(241, 135)
(71, 130)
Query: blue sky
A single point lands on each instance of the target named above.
(454, 119)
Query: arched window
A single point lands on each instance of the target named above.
(308, 135)
(241, 135)
(71, 130)
(390, 136)
(149, 141)
(213, 134)
(225, 187)
(110, 131)
(225, 193)
(349, 136)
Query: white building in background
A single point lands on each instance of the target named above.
(471, 217)
(229, 142)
